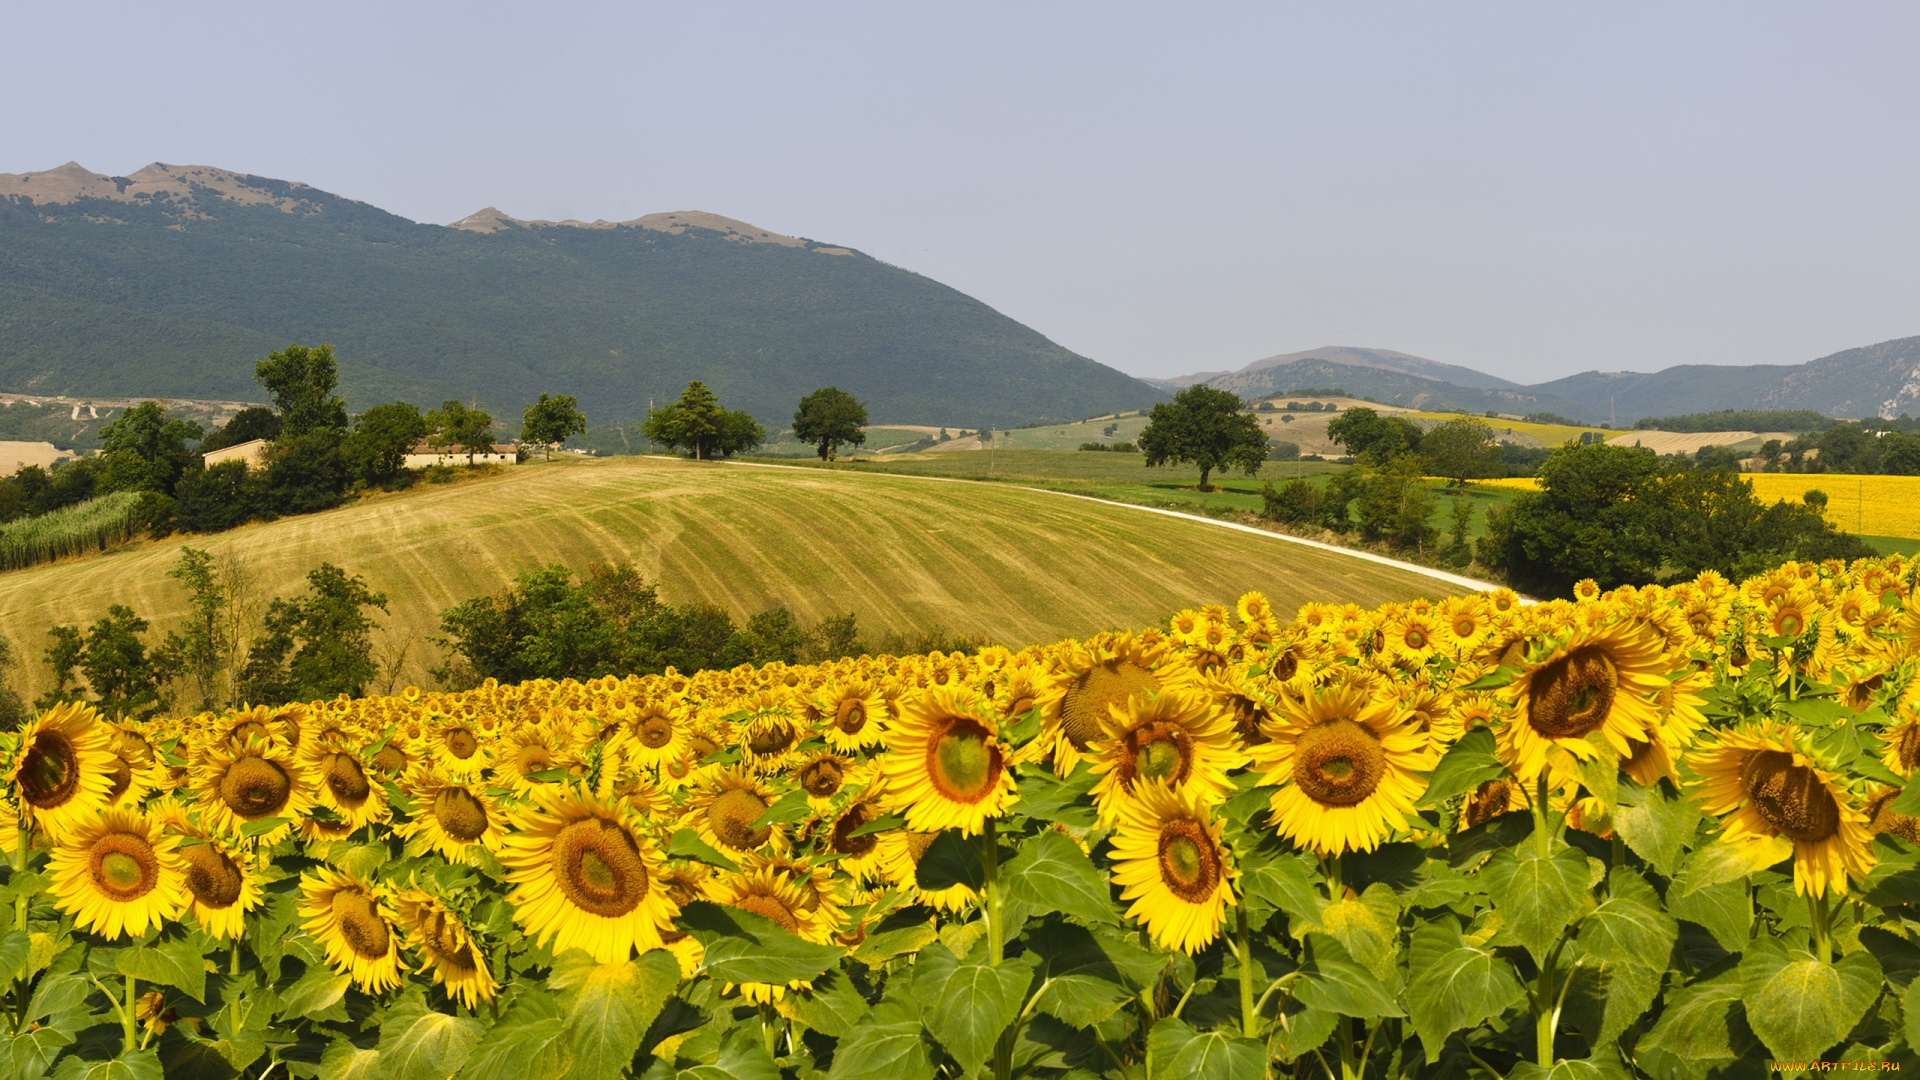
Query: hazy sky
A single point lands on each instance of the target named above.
(1530, 189)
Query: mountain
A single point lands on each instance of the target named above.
(174, 280)
(1882, 380)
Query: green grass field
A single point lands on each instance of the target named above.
(900, 553)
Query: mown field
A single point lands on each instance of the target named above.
(902, 554)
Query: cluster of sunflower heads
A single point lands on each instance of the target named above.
(1231, 799)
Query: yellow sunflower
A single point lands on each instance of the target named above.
(824, 776)
(945, 765)
(859, 856)
(654, 733)
(1502, 795)
(258, 779)
(1597, 680)
(64, 768)
(118, 873)
(346, 789)
(853, 711)
(1903, 743)
(1345, 767)
(1176, 738)
(769, 894)
(454, 817)
(525, 751)
(1170, 863)
(582, 877)
(1411, 637)
(459, 746)
(1104, 671)
(1775, 800)
(725, 808)
(346, 917)
(446, 946)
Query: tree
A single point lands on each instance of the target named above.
(455, 425)
(124, 678)
(381, 439)
(13, 710)
(200, 647)
(552, 420)
(218, 498)
(1460, 450)
(697, 423)
(692, 423)
(146, 450)
(1204, 426)
(1395, 504)
(318, 645)
(1367, 434)
(828, 417)
(307, 472)
(301, 382)
(250, 423)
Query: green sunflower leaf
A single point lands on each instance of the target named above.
(417, 1043)
(1176, 1051)
(607, 1008)
(742, 947)
(1052, 873)
(1455, 986)
(1538, 896)
(1801, 1007)
(1469, 763)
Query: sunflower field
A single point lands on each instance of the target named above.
(1657, 832)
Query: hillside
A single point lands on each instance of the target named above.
(1881, 379)
(174, 280)
(902, 553)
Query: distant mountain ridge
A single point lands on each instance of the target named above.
(1874, 380)
(172, 281)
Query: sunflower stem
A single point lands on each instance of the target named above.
(990, 864)
(1243, 952)
(1822, 927)
(233, 975)
(21, 848)
(769, 1034)
(1542, 833)
(129, 1023)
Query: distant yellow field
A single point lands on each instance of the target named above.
(1869, 505)
(1549, 435)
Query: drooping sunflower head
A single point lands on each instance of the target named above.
(856, 855)
(1502, 795)
(945, 765)
(1881, 817)
(118, 874)
(459, 746)
(1170, 862)
(583, 877)
(726, 808)
(1903, 743)
(1176, 738)
(347, 917)
(63, 769)
(225, 884)
(348, 788)
(770, 736)
(1597, 680)
(1346, 768)
(454, 816)
(1775, 799)
(260, 778)
(772, 894)
(825, 776)
(447, 948)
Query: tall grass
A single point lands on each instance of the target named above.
(93, 525)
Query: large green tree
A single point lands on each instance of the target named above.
(124, 677)
(552, 420)
(302, 381)
(828, 417)
(1367, 434)
(455, 425)
(1206, 427)
(697, 423)
(1460, 450)
(381, 438)
(145, 449)
(316, 645)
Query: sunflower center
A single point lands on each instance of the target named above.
(51, 773)
(1160, 753)
(1189, 864)
(1908, 748)
(770, 739)
(822, 777)
(449, 947)
(214, 879)
(1487, 802)
(1286, 666)
(361, 926)
(247, 730)
(1789, 624)
(459, 814)
(124, 866)
(346, 780)
(1415, 639)
(532, 759)
(850, 717)
(597, 866)
(1573, 695)
(1084, 708)
(962, 762)
(1338, 762)
(1464, 627)
(768, 907)
(121, 775)
(855, 819)
(254, 787)
(390, 760)
(461, 743)
(731, 817)
(655, 731)
(1790, 797)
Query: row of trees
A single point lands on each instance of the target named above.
(235, 646)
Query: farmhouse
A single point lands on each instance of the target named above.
(422, 456)
(252, 452)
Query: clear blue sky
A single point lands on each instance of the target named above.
(1531, 189)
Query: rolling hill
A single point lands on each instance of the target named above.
(171, 282)
(1881, 380)
(903, 553)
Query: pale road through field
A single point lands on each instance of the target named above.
(1017, 565)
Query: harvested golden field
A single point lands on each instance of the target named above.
(901, 553)
(1690, 442)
